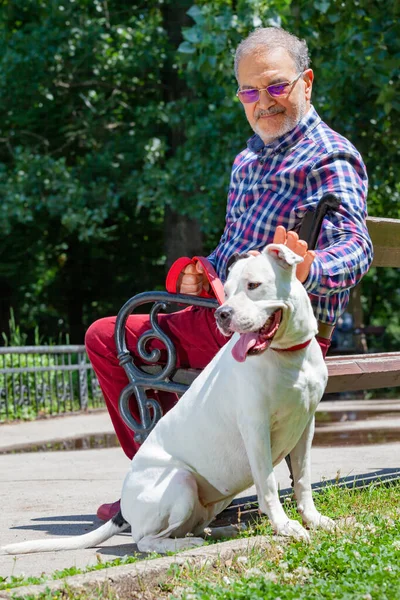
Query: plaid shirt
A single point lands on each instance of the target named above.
(276, 184)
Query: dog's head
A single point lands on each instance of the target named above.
(265, 302)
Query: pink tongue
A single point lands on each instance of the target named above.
(245, 343)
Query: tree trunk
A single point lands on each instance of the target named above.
(74, 286)
(75, 317)
(182, 235)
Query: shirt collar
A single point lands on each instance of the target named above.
(310, 120)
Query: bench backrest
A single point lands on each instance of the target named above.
(385, 235)
(371, 371)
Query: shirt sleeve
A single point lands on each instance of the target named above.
(211, 258)
(344, 250)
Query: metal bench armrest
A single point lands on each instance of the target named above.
(143, 378)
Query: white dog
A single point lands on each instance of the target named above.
(240, 417)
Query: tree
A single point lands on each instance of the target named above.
(82, 106)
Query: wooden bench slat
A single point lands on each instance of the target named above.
(370, 371)
(385, 236)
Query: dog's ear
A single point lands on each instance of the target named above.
(285, 257)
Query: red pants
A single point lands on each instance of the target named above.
(196, 339)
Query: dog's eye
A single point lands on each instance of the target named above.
(253, 286)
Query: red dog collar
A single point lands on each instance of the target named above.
(293, 348)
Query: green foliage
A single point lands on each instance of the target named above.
(79, 88)
(355, 49)
(16, 337)
(11, 387)
(194, 181)
(27, 395)
(7, 583)
(13, 581)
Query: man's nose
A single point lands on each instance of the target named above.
(265, 100)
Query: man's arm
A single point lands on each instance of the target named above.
(193, 280)
(344, 249)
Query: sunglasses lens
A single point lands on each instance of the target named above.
(278, 90)
(247, 96)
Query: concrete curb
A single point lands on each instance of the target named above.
(127, 579)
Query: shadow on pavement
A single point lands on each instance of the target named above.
(71, 525)
(123, 550)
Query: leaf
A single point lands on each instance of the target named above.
(192, 35)
(186, 48)
(323, 6)
(196, 13)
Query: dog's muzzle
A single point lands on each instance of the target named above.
(252, 342)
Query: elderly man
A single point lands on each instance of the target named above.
(290, 162)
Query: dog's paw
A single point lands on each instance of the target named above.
(318, 521)
(326, 523)
(293, 529)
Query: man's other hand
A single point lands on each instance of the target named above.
(300, 247)
(192, 280)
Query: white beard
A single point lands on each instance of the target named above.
(289, 123)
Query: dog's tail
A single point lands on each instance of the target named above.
(116, 525)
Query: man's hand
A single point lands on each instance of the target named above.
(292, 241)
(192, 280)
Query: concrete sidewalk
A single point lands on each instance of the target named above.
(57, 493)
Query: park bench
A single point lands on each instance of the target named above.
(346, 373)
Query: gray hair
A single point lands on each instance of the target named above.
(270, 38)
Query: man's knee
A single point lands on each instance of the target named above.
(100, 336)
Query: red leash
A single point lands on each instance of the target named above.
(211, 274)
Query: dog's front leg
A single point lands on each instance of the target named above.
(256, 436)
(300, 458)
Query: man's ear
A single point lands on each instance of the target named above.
(308, 77)
(285, 257)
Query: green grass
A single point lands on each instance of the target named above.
(8, 583)
(102, 593)
(359, 561)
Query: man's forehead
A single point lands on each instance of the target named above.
(262, 63)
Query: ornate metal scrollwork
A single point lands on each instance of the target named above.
(139, 380)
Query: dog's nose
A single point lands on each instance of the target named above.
(224, 315)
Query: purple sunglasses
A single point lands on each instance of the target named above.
(277, 90)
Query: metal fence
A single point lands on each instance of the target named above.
(46, 380)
